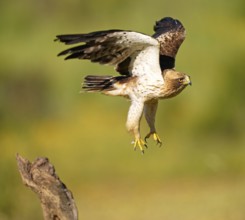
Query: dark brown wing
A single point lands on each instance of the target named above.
(99, 46)
(170, 33)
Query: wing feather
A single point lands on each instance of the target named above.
(113, 47)
(171, 34)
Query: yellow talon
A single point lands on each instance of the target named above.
(140, 144)
(155, 138)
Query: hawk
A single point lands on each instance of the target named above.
(145, 64)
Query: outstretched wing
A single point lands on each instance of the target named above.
(170, 33)
(113, 47)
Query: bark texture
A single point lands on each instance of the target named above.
(56, 200)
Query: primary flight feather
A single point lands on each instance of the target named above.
(145, 64)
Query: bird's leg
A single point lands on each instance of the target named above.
(155, 138)
(133, 123)
(150, 109)
(140, 144)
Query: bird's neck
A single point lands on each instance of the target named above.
(171, 91)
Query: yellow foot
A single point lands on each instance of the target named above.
(140, 144)
(155, 138)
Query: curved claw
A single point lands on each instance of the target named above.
(155, 138)
(140, 144)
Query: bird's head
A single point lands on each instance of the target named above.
(175, 82)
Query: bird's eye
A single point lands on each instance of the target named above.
(181, 79)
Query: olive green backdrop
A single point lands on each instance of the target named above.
(199, 171)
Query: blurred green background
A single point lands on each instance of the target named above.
(199, 171)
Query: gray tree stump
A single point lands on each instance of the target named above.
(56, 200)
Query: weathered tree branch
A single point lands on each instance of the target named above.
(56, 200)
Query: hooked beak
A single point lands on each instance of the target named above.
(187, 80)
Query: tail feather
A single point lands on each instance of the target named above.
(101, 83)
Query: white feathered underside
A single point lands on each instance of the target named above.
(144, 53)
(145, 63)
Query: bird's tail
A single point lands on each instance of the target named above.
(104, 84)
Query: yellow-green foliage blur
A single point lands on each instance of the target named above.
(199, 171)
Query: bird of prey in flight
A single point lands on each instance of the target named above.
(146, 65)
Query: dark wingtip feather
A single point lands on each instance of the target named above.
(77, 38)
(167, 24)
(63, 53)
(69, 38)
(75, 52)
(72, 56)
